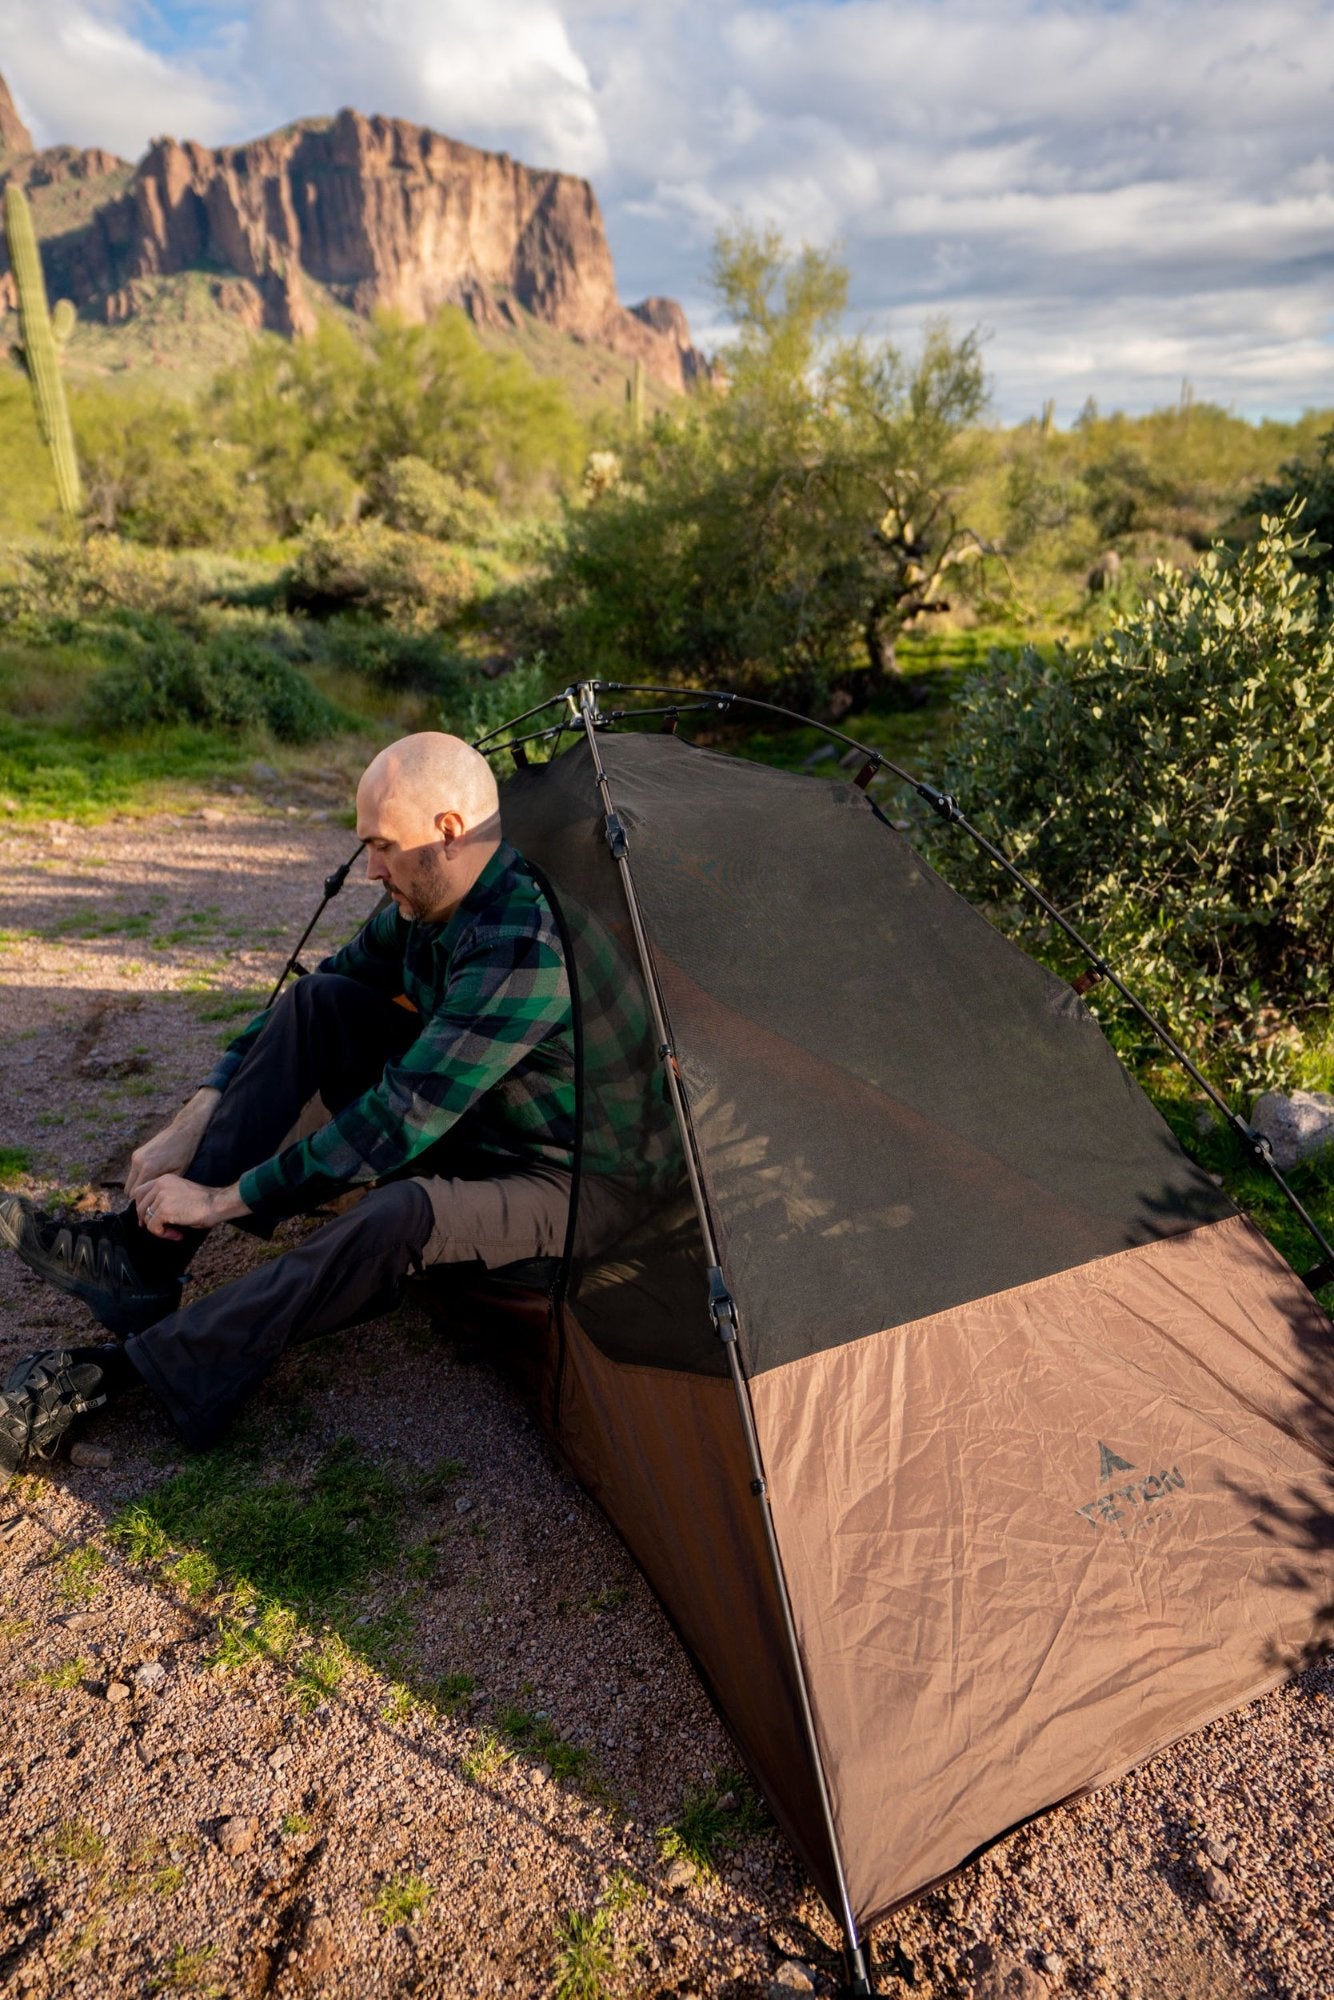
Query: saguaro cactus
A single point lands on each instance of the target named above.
(40, 338)
(634, 396)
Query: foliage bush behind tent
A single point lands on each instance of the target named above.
(1167, 787)
(779, 534)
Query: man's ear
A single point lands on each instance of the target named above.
(449, 825)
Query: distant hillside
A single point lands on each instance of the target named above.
(348, 213)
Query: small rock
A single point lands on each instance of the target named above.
(279, 1757)
(1206, 1121)
(1216, 1885)
(151, 1674)
(117, 1691)
(678, 1875)
(1010, 1979)
(727, 1803)
(1297, 1126)
(211, 815)
(236, 1835)
(1052, 1964)
(463, 1505)
(262, 773)
(792, 1977)
(101, 1068)
(93, 1457)
(1217, 1853)
(317, 1945)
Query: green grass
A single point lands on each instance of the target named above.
(69, 1674)
(78, 1574)
(401, 1899)
(485, 1758)
(280, 1561)
(187, 1971)
(15, 1162)
(534, 1735)
(587, 1962)
(712, 1821)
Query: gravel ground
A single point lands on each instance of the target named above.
(318, 1823)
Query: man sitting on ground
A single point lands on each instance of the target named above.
(440, 1044)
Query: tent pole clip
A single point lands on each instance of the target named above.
(758, 1488)
(616, 839)
(940, 802)
(722, 1306)
(1258, 1143)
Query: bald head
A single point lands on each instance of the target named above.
(428, 810)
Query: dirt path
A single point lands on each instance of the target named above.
(450, 1775)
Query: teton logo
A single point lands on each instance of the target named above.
(1128, 1503)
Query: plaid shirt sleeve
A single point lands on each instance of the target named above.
(374, 956)
(506, 992)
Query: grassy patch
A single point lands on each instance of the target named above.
(587, 1961)
(15, 1162)
(533, 1734)
(80, 1845)
(485, 1758)
(69, 1674)
(400, 1899)
(278, 1558)
(187, 1971)
(78, 1574)
(712, 1821)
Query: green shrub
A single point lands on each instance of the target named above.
(1167, 788)
(78, 579)
(379, 572)
(389, 658)
(1309, 480)
(227, 680)
(155, 472)
(414, 496)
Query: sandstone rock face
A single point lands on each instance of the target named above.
(376, 211)
(14, 134)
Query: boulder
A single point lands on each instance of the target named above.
(1297, 1126)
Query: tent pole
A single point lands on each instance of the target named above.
(723, 1312)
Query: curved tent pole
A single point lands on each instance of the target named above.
(723, 1312)
(948, 809)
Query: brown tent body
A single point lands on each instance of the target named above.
(1044, 1423)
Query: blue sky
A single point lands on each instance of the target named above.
(1123, 196)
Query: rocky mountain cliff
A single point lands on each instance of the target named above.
(368, 211)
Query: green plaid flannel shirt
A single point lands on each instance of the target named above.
(496, 1047)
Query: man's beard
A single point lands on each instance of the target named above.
(426, 891)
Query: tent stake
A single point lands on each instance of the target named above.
(723, 1313)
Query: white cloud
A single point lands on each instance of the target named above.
(81, 76)
(1125, 192)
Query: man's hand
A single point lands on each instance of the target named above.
(171, 1150)
(169, 1204)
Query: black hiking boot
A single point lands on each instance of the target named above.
(108, 1261)
(39, 1402)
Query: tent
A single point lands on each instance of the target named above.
(968, 1434)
